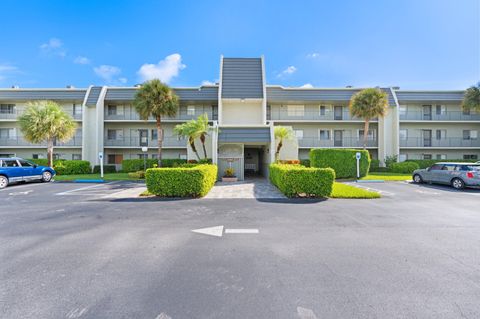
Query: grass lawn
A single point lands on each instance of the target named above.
(341, 190)
(387, 176)
(109, 176)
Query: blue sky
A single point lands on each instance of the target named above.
(413, 44)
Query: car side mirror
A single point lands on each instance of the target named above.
(428, 169)
(35, 165)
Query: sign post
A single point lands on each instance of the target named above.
(358, 155)
(100, 157)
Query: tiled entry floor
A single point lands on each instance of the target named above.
(249, 188)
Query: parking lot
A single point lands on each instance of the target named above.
(95, 251)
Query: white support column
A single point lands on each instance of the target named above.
(84, 125)
(99, 133)
(220, 104)
(264, 87)
(272, 142)
(215, 143)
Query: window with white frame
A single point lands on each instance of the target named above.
(371, 134)
(324, 135)
(402, 109)
(324, 110)
(440, 109)
(470, 134)
(296, 110)
(38, 156)
(403, 134)
(298, 134)
(191, 110)
(183, 156)
(441, 134)
(8, 133)
(115, 109)
(402, 157)
(77, 109)
(441, 156)
(76, 157)
(7, 108)
(427, 156)
(470, 157)
(114, 134)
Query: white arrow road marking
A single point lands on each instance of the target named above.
(21, 193)
(163, 315)
(217, 231)
(305, 313)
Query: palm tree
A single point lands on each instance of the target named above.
(368, 104)
(282, 133)
(203, 127)
(189, 130)
(471, 99)
(156, 99)
(46, 121)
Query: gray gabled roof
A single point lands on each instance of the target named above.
(93, 95)
(203, 93)
(281, 94)
(429, 96)
(242, 78)
(42, 94)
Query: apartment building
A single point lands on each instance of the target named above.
(244, 109)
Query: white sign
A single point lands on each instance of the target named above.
(358, 155)
(100, 155)
(144, 149)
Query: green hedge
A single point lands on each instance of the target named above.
(181, 181)
(296, 180)
(73, 167)
(137, 175)
(106, 169)
(342, 161)
(135, 165)
(305, 162)
(428, 163)
(404, 167)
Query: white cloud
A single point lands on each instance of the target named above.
(81, 60)
(109, 74)
(207, 82)
(6, 70)
(164, 70)
(289, 70)
(54, 46)
(313, 55)
(307, 86)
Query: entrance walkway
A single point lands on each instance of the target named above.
(250, 188)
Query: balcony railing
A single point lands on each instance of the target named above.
(444, 142)
(16, 113)
(344, 142)
(445, 116)
(136, 141)
(277, 114)
(181, 116)
(20, 141)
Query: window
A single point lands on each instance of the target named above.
(24, 163)
(436, 167)
(371, 134)
(296, 110)
(441, 134)
(77, 109)
(466, 112)
(427, 156)
(142, 156)
(470, 134)
(8, 133)
(324, 135)
(7, 108)
(470, 156)
(154, 134)
(115, 109)
(114, 134)
(7, 155)
(183, 156)
(402, 157)
(57, 156)
(441, 156)
(402, 109)
(10, 163)
(440, 109)
(114, 158)
(448, 167)
(324, 110)
(76, 157)
(403, 133)
(191, 110)
(298, 134)
(37, 156)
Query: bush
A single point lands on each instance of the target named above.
(342, 161)
(374, 165)
(137, 175)
(106, 169)
(181, 181)
(428, 163)
(73, 167)
(40, 161)
(135, 165)
(404, 167)
(389, 160)
(305, 162)
(296, 180)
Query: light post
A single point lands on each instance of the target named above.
(144, 150)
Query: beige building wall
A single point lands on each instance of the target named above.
(249, 112)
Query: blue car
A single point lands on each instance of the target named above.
(16, 169)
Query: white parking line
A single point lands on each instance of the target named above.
(15, 186)
(72, 192)
(372, 189)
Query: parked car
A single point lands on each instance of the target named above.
(458, 175)
(16, 169)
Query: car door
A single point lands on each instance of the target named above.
(446, 174)
(431, 174)
(13, 169)
(29, 171)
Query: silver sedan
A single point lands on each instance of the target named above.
(458, 175)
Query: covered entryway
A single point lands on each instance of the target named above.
(230, 156)
(253, 160)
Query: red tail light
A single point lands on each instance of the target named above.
(469, 174)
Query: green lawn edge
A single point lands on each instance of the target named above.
(341, 190)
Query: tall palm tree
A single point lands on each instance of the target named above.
(156, 99)
(471, 99)
(368, 104)
(203, 127)
(46, 121)
(188, 129)
(282, 133)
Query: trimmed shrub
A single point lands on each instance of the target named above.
(106, 169)
(73, 167)
(342, 161)
(374, 165)
(181, 181)
(404, 167)
(137, 175)
(296, 180)
(135, 165)
(40, 161)
(305, 162)
(428, 163)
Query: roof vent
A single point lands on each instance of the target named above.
(349, 87)
(396, 87)
(70, 86)
(15, 87)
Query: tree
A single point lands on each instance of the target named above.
(202, 128)
(369, 104)
(188, 129)
(471, 99)
(46, 121)
(156, 99)
(282, 133)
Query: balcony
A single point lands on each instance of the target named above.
(136, 141)
(284, 115)
(20, 141)
(313, 142)
(13, 115)
(444, 142)
(445, 116)
(183, 115)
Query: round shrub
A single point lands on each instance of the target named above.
(404, 167)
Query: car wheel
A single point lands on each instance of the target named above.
(457, 183)
(46, 176)
(417, 179)
(3, 182)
